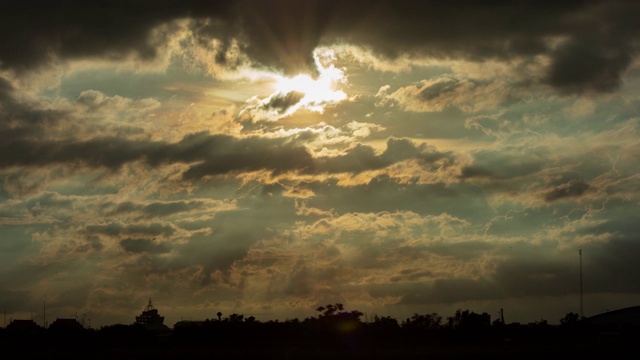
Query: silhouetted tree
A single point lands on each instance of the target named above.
(330, 310)
(569, 318)
(235, 318)
(424, 322)
(385, 322)
(468, 319)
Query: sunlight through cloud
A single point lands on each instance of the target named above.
(317, 92)
(301, 91)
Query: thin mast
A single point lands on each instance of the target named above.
(581, 299)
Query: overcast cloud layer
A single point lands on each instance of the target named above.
(269, 157)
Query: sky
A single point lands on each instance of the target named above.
(268, 157)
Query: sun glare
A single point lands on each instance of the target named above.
(317, 92)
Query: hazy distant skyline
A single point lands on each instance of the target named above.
(273, 156)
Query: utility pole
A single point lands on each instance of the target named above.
(581, 299)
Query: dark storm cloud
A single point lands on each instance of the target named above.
(212, 154)
(157, 208)
(19, 120)
(600, 50)
(439, 88)
(599, 37)
(164, 209)
(223, 154)
(358, 159)
(282, 102)
(143, 246)
(506, 163)
(216, 154)
(411, 275)
(109, 152)
(49, 200)
(362, 158)
(572, 189)
(115, 230)
(584, 65)
(383, 193)
(33, 33)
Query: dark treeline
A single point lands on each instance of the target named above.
(333, 333)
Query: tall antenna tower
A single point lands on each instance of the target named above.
(581, 299)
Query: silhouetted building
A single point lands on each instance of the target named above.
(625, 317)
(197, 324)
(483, 319)
(23, 325)
(151, 319)
(616, 323)
(66, 325)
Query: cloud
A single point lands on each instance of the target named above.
(211, 155)
(588, 65)
(283, 34)
(77, 30)
(143, 246)
(572, 189)
(118, 230)
(362, 158)
(436, 95)
(157, 209)
(240, 155)
(281, 102)
(22, 119)
(95, 101)
(274, 107)
(505, 163)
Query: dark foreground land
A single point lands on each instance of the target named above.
(333, 335)
(457, 352)
(441, 351)
(488, 343)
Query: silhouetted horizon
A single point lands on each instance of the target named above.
(334, 331)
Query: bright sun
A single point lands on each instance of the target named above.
(317, 92)
(300, 92)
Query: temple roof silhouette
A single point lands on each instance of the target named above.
(151, 319)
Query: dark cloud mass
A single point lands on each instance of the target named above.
(143, 246)
(283, 33)
(212, 155)
(573, 188)
(35, 32)
(282, 102)
(442, 87)
(579, 66)
(116, 230)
